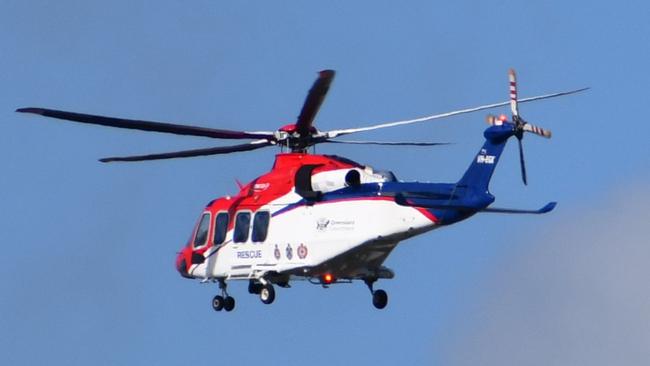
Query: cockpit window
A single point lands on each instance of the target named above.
(220, 228)
(201, 236)
(242, 226)
(261, 226)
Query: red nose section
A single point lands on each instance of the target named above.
(181, 265)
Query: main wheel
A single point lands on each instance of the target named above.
(228, 303)
(254, 288)
(267, 294)
(380, 299)
(218, 303)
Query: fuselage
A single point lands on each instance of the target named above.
(344, 222)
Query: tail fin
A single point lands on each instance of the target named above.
(480, 172)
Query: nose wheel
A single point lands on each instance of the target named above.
(223, 301)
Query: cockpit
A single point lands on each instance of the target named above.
(212, 231)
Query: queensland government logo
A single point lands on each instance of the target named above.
(276, 252)
(322, 224)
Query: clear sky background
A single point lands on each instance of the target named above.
(87, 275)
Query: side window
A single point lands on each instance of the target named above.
(261, 226)
(201, 236)
(220, 228)
(242, 226)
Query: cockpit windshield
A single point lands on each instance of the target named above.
(201, 237)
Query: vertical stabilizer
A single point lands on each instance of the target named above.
(480, 171)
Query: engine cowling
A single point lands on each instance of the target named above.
(333, 180)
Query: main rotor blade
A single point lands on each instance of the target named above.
(191, 153)
(146, 125)
(522, 162)
(313, 102)
(388, 143)
(347, 131)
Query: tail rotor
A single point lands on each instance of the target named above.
(519, 124)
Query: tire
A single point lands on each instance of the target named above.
(267, 294)
(254, 288)
(380, 299)
(228, 303)
(218, 303)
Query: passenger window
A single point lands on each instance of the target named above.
(220, 228)
(261, 226)
(242, 226)
(202, 231)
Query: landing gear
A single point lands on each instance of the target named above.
(267, 293)
(217, 303)
(228, 303)
(254, 287)
(223, 301)
(379, 297)
(265, 289)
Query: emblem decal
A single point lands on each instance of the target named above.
(302, 251)
(289, 252)
(322, 224)
(276, 252)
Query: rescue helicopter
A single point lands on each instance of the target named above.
(323, 218)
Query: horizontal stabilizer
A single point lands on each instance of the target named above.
(403, 200)
(548, 208)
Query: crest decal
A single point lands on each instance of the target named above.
(302, 251)
(276, 252)
(289, 252)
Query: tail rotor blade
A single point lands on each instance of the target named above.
(537, 130)
(522, 162)
(513, 92)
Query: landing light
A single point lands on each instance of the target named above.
(328, 278)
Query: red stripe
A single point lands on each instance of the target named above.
(426, 213)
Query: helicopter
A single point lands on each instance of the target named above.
(323, 218)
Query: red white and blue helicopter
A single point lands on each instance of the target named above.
(323, 218)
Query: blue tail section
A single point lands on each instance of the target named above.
(480, 172)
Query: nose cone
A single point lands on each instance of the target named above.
(181, 265)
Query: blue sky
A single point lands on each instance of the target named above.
(87, 272)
